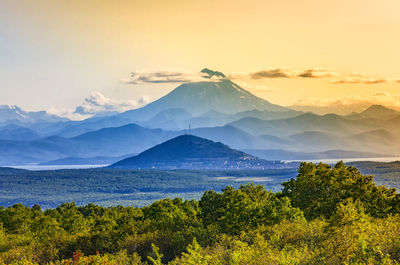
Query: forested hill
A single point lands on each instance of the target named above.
(193, 152)
(326, 215)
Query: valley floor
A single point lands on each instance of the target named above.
(111, 187)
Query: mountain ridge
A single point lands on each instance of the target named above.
(13, 113)
(376, 112)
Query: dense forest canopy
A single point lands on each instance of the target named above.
(326, 215)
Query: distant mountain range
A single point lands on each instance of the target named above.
(377, 112)
(338, 107)
(13, 114)
(216, 109)
(299, 156)
(192, 152)
(107, 142)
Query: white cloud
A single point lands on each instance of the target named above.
(272, 73)
(182, 76)
(316, 73)
(367, 81)
(286, 73)
(98, 104)
(67, 113)
(313, 73)
(168, 76)
(387, 99)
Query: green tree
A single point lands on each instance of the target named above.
(246, 208)
(318, 189)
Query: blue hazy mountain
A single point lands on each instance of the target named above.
(75, 128)
(293, 155)
(377, 112)
(117, 141)
(319, 140)
(305, 133)
(170, 114)
(97, 160)
(169, 119)
(15, 132)
(377, 140)
(109, 142)
(232, 136)
(306, 122)
(192, 152)
(212, 118)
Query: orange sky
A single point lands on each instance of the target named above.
(75, 47)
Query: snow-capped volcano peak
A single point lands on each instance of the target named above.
(216, 93)
(15, 113)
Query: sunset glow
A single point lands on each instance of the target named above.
(76, 47)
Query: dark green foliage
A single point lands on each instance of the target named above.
(351, 221)
(246, 208)
(318, 189)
